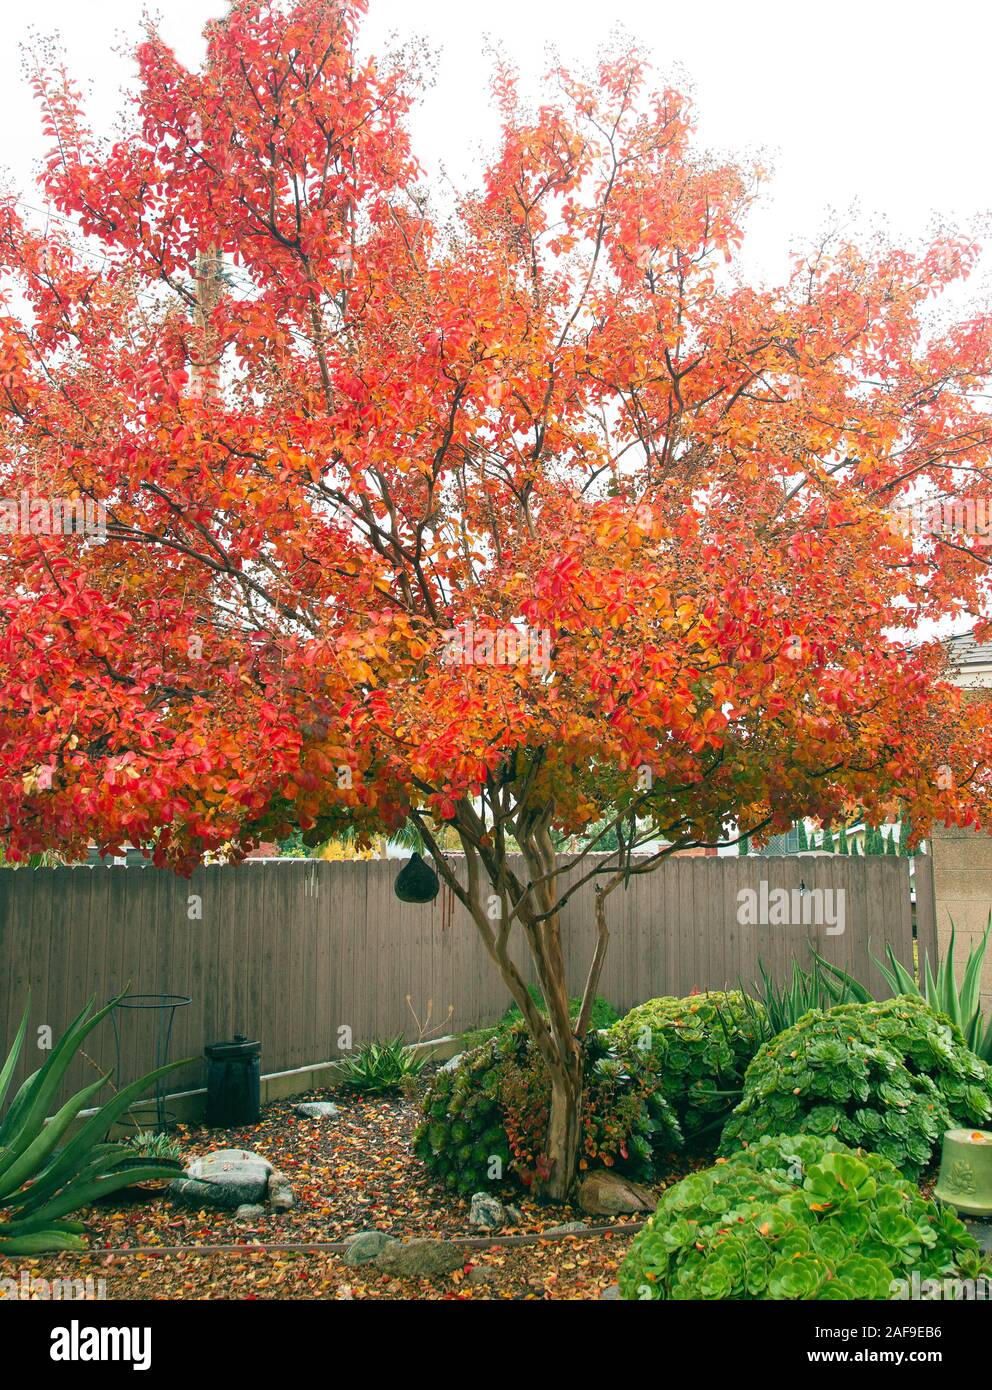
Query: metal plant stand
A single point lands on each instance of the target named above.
(166, 1004)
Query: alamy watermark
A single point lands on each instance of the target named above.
(947, 517)
(27, 1286)
(52, 516)
(470, 645)
(792, 907)
(948, 1288)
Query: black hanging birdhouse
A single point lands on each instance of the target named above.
(416, 882)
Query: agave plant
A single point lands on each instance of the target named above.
(150, 1144)
(381, 1068)
(963, 1005)
(41, 1183)
(820, 987)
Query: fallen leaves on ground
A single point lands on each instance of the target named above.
(567, 1269)
(351, 1173)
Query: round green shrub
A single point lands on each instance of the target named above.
(794, 1217)
(486, 1120)
(699, 1046)
(889, 1076)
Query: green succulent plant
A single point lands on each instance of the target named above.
(41, 1184)
(381, 1068)
(462, 1138)
(794, 1217)
(484, 1120)
(700, 1047)
(154, 1144)
(889, 1076)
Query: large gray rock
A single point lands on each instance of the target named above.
(225, 1178)
(364, 1247)
(486, 1212)
(420, 1259)
(604, 1193)
(316, 1110)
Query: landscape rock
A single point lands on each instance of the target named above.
(420, 1259)
(568, 1228)
(482, 1274)
(365, 1246)
(225, 1178)
(316, 1110)
(453, 1063)
(486, 1212)
(611, 1292)
(604, 1193)
(280, 1192)
(250, 1211)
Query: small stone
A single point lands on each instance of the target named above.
(568, 1228)
(611, 1293)
(280, 1192)
(482, 1274)
(453, 1063)
(486, 1212)
(420, 1259)
(514, 1216)
(249, 1211)
(603, 1193)
(365, 1246)
(316, 1110)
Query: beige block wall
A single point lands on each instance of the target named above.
(962, 872)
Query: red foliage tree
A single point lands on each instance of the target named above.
(515, 521)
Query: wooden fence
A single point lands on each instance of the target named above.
(294, 952)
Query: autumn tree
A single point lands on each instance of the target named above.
(515, 514)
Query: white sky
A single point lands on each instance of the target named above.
(874, 103)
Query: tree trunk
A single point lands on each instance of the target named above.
(564, 1136)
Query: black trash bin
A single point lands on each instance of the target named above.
(232, 1082)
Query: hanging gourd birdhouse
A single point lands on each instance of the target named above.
(416, 882)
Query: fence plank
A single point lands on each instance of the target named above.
(926, 914)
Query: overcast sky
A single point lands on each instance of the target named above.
(876, 106)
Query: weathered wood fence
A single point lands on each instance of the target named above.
(292, 952)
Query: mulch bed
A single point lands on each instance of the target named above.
(351, 1173)
(552, 1270)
